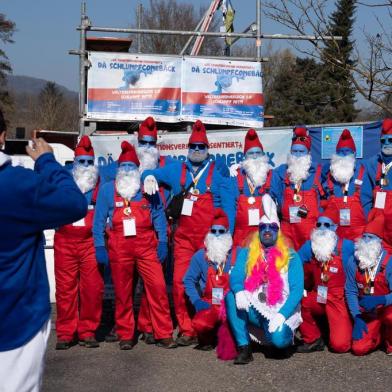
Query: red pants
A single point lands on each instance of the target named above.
(76, 272)
(379, 329)
(144, 318)
(186, 243)
(339, 322)
(122, 263)
(205, 324)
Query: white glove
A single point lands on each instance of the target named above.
(234, 169)
(242, 300)
(276, 323)
(150, 185)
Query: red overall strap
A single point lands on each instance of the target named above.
(162, 161)
(183, 175)
(378, 174)
(240, 181)
(267, 185)
(209, 177)
(384, 263)
(330, 184)
(286, 179)
(358, 181)
(339, 247)
(317, 182)
(95, 193)
(233, 256)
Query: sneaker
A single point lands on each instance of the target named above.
(148, 338)
(317, 345)
(126, 344)
(244, 355)
(389, 354)
(63, 345)
(185, 340)
(204, 347)
(167, 343)
(89, 342)
(111, 337)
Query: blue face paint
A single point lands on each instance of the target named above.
(345, 151)
(324, 223)
(299, 150)
(84, 160)
(369, 236)
(128, 166)
(386, 145)
(268, 236)
(147, 141)
(218, 230)
(254, 153)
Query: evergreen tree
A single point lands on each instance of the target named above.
(337, 59)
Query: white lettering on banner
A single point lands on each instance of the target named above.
(224, 145)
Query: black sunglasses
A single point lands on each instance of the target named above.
(218, 231)
(325, 224)
(300, 138)
(272, 226)
(83, 161)
(386, 139)
(147, 142)
(201, 147)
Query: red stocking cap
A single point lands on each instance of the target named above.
(128, 154)
(331, 213)
(301, 136)
(84, 147)
(199, 134)
(220, 218)
(346, 141)
(148, 128)
(376, 223)
(386, 128)
(252, 140)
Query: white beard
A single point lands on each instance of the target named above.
(323, 244)
(127, 183)
(85, 177)
(368, 252)
(342, 168)
(218, 247)
(298, 167)
(148, 157)
(256, 169)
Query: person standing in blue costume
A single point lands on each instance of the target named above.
(348, 188)
(266, 287)
(250, 181)
(137, 238)
(208, 190)
(380, 175)
(369, 289)
(328, 256)
(31, 201)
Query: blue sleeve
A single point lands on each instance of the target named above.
(305, 252)
(193, 275)
(224, 197)
(366, 194)
(103, 206)
(277, 185)
(158, 217)
(351, 289)
(296, 285)
(238, 273)
(388, 275)
(347, 252)
(57, 200)
(169, 175)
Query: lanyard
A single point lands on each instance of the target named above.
(370, 274)
(252, 188)
(196, 179)
(384, 172)
(345, 191)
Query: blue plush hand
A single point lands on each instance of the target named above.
(201, 305)
(101, 255)
(162, 251)
(359, 328)
(370, 302)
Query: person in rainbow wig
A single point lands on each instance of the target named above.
(266, 287)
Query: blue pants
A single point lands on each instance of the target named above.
(239, 320)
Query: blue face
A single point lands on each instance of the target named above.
(254, 153)
(128, 166)
(324, 223)
(386, 145)
(268, 233)
(299, 150)
(369, 236)
(147, 141)
(345, 151)
(218, 230)
(84, 160)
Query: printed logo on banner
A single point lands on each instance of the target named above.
(330, 137)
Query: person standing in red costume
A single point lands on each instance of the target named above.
(79, 283)
(348, 188)
(251, 181)
(369, 290)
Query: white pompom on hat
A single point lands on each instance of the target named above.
(270, 210)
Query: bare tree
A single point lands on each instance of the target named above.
(371, 73)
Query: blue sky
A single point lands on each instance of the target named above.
(47, 30)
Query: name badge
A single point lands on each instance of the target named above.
(345, 217)
(129, 227)
(79, 223)
(334, 270)
(380, 200)
(253, 217)
(217, 295)
(90, 207)
(119, 204)
(294, 218)
(187, 207)
(322, 294)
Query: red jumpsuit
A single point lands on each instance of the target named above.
(379, 322)
(243, 230)
(387, 241)
(188, 238)
(353, 203)
(126, 252)
(79, 283)
(336, 311)
(206, 322)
